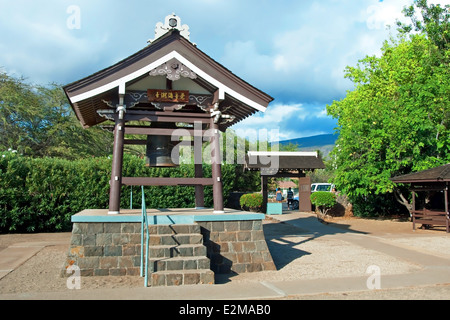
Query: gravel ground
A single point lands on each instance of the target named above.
(298, 254)
(304, 257)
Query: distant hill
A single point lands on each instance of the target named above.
(323, 142)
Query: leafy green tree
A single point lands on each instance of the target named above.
(38, 121)
(289, 147)
(434, 22)
(396, 120)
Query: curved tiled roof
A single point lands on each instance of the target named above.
(87, 95)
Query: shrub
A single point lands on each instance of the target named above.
(323, 201)
(41, 194)
(251, 201)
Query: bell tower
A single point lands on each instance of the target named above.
(168, 90)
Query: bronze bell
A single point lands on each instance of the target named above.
(159, 148)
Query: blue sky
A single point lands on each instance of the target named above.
(294, 50)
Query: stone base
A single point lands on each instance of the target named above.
(106, 245)
(236, 246)
(105, 249)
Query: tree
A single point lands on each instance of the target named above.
(396, 121)
(38, 121)
(434, 22)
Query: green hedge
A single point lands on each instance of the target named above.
(41, 194)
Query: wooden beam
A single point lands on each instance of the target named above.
(149, 131)
(138, 142)
(170, 114)
(287, 175)
(144, 181)
(165, 118)
(135, 142)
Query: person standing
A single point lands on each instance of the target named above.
(290, 198)
(279, 196)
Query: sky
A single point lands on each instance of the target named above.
(294, 50)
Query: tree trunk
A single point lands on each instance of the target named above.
(402, 200)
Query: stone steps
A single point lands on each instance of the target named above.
(175, 239)
(177, 256)
(182, 277)
(170, 251)
(178, 263)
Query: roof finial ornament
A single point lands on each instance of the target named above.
(171, 22)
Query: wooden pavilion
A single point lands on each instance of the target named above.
(286, 165)
(168, 83)
(430, 196)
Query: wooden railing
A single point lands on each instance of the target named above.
(431, 217)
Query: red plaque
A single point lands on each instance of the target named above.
(175, 96)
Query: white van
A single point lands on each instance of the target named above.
(322, 187)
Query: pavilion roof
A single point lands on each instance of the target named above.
(284, 160)
(238, 98)
(438, 174)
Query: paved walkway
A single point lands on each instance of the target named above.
(15, 255)
(434, 271)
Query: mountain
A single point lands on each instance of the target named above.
(323, 142)
(314, 141)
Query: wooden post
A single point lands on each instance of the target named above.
(304, 193)
(264, 192)
(199, 189)
(198, 160)
(216, 168)
(116, 171)
(447, 209)
(413, 214)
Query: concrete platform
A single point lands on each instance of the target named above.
(165, 216)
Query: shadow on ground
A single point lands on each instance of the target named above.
(284, 239)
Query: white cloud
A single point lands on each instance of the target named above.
(386, 13)
(296, 51)
(383, 14)
(289, 120)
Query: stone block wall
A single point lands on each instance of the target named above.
(114, 249)
(236, 246)
(105, 249)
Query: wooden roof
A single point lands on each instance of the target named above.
(438, 174)
(284, 160)
(286, 184)
(238, 98)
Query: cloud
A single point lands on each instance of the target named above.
(288, 121)
(296, 51)
(39, 45)
(384, 14)
(305, 59)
